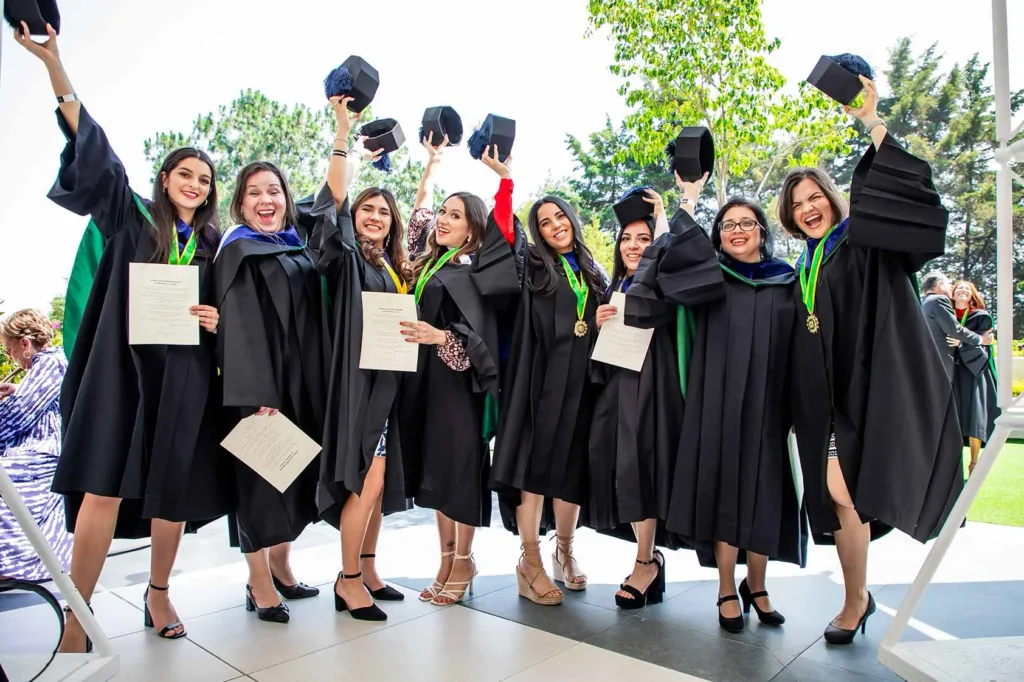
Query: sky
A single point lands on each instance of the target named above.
(147, 67)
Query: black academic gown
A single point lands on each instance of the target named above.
(139, 423)
(273, 353)
(360, 402)
(974, 383)
(546, 404)
(733, 479)
(635, 427)
(872, 374)
(444, 412)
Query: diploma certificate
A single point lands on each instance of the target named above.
(621, 345)
(273, 447)
(159, 297)
(383, 346)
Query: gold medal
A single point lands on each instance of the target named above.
(812, 323)
(581, 328)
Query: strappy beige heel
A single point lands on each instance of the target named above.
(549, 598)
(456, 590)
(429, 593)
(563, 570)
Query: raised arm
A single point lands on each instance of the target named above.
(339, 172)
(503, 197)
(49, 55)
(425, 192)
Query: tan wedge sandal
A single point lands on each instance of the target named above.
(551, 597)
(564, 570)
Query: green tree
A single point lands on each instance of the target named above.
(704, 62)
(57, 319)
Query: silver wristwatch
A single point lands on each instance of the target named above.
(63, 99)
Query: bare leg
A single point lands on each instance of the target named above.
(94, 530)
(852, 545)
(642, 575)
(166, 539)
(260, 580)
(369, 566)
(280, 563)
(975, 451)
(448, 536)
(528, 515)
(463, 570)
(566, 517)
(355, 517)
(725, 557)
(757, 569)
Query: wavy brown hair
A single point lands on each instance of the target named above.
(840, 209)
(239, 196)
(977, 302)
(394, 243)
(165, 213)
(476, 216)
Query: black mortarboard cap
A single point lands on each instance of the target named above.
(386, 134)
(692, 153)
(36, 13)
(836, 76)
(354, 78)
(441, 121)
(495, 130)
(631, 206)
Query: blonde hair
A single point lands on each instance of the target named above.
(28, 324)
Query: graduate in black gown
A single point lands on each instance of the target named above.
(273, 358)
(541, 452)
(734, 498)
(875, 421)
(974, 376)
(468, 274)
(637, 415)
(140, 453)
(361, 474)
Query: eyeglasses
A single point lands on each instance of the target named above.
(745, 225)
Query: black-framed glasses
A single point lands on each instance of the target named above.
(744, 225)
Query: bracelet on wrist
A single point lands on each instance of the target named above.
(339, 152)
(873, 123)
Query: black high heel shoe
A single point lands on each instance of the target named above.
(386, 593)
(147, 618)
(370, 613)
(296, 591)
(272, 614)
(749, 599)
(733, 625)
(654, 594)
(88, 642)
(837, 635)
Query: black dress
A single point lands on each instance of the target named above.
(733, 479)
(139, 423)
(360, 403)
(272, 349)
(443, 410)
(872, 374)
(974, 383)
(546, 404)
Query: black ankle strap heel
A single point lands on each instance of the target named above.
(368, 613)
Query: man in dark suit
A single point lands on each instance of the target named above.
(946, 330)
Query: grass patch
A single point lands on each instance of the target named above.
(1001, 499)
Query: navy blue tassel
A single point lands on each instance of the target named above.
(670, 149)
(383, 163)
(479, 139)
(638, 190)
(854, 64)
(338, 83)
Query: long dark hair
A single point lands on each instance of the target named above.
(476, 216)
(165, 214)
(394, 243)
(767, 244)
(840, 209)
(619, 268)
(239, 196)
(544, 259)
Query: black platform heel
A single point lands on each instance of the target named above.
(88, 642)
(654, 594)
(386, 593)
(766, 617)
(272, 614)
(296, 591)
(733, 625)
(369, 613)
(147, 618)
(836, 635)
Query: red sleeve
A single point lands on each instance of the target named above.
(503, 210)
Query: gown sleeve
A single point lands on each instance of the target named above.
(333, 236)
(91, 179)
(894, 205)
(498, 267)
(976, 357)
